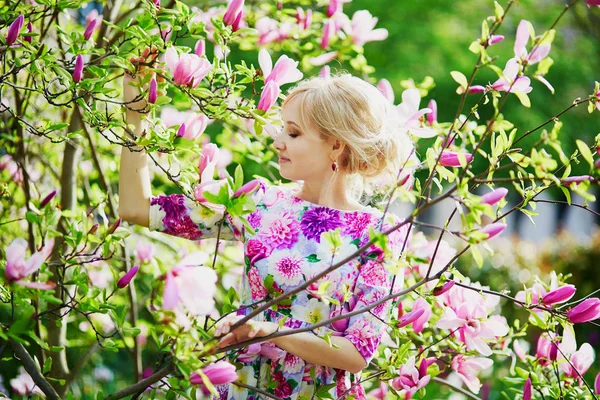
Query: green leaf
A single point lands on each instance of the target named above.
(239, 177)
(162, 100)
(313, 258)
(585, 152)
(523, 98)
(32, 217)
(498, 10)
(477, 257)
(567, 194)
(459, 78)
(47, 365)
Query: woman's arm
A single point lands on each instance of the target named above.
(315, 350)
(134, 178)
(305, 345)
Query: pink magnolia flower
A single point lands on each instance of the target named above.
(597, 381)
(341, 324)
(519, 350)
(425, 250)
(248, 188)
(94, 16)
(467, 369)
(325, 73)
(323, 58)
(527, 389)
(438, 291)
(411, 117)
(285, 70)
(153, 92)
(452, 158)
(193, 127)
(18, 268)
(559, 295)
(187, 69)
(473, 326)
(511, 81)
(493, 229)
(219, 373)
(271, 30)
(266, 349)
(582, 360)
(333, 7)
(14, 29)
(78, 70)
(493, 39)
(576, 179)
(47, 199)
(328, 33)
(381, 392)
(524, 32)
(432, 116)
(494, 196)
(410, 317)
(410, 378)
(385, 87)
(303, 18)
(200, 48)
(126, 279)
(90, 27)
(190, 285)
(361, 28)
(208, 156)
(537, 292)
(269, 96)
(308, 20)
(234, 12)
(23, 384)
(476, 89)
(587, 310)
(543, 352)
(419, 323)
(144, 251)
(28, 38)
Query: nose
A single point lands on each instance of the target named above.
(278, 144)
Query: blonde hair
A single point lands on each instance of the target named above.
(357, 114)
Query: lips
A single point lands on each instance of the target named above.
(283, 159)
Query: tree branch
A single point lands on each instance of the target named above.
(32, 369)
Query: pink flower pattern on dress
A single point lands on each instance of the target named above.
(282, 253)
(280, 231)
(256, 284)
(355, 223)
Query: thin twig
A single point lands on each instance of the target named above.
(456, 388)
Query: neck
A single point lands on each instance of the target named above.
(331, 192)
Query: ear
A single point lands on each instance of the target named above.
(337, 148)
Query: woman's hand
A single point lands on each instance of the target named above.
(247, 331)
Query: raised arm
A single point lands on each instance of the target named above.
(134, 179)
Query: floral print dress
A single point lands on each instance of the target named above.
(289, 246)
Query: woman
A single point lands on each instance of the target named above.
(335, 130)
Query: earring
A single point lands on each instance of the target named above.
(334, 166)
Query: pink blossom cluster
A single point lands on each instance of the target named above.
(469, 315)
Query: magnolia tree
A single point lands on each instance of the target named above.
(81, 293)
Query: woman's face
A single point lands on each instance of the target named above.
(303, 154)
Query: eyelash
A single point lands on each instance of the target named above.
(293, 135)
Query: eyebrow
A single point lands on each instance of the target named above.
(292, 123)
